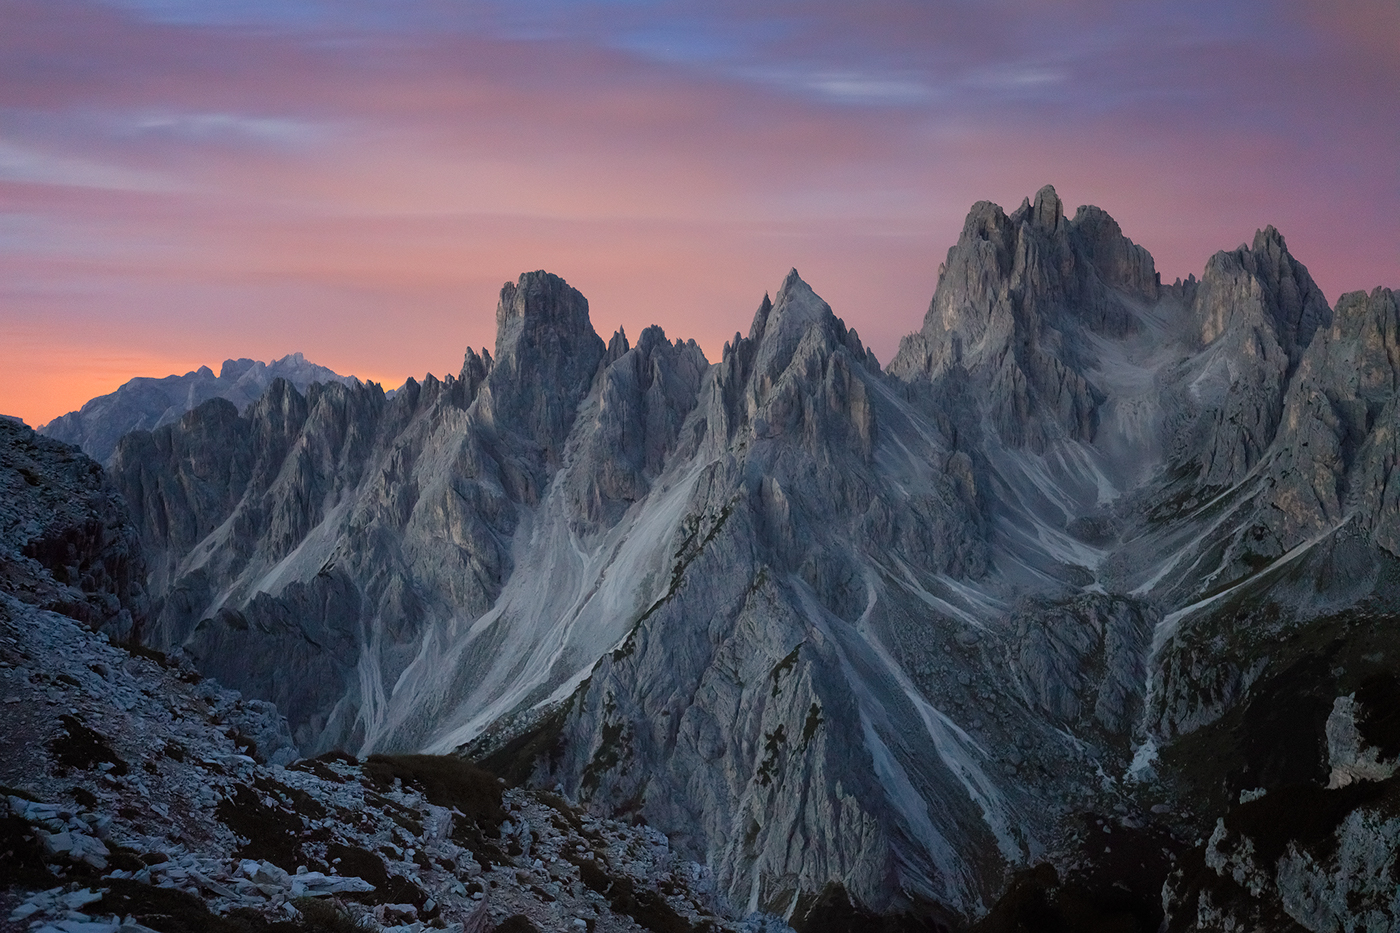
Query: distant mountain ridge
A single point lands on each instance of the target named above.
(146, 403)
(1095, 560)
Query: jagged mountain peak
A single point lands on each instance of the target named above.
(1253, 315)
(618, 345)
(1269, 239)
(475, 368)
(1048, 212)
(1261, 286)
(1119, 262)
(1019, 303)
(547, 354)
(540, 307)
(780, 324)
(792, 281)
(1026, 271)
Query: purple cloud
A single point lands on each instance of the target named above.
(186, 181)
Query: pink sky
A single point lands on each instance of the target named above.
(183, 182)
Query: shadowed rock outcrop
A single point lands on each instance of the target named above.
(67, 543)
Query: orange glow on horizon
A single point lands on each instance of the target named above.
(174, 193)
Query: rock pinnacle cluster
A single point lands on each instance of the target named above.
(1082, 608)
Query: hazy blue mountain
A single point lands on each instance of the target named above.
(146, 403)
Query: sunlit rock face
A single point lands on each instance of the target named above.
(913, 630)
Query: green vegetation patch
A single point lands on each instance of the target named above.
(1039, 901)
(136, 649)
(298, 799)
(614, 742)
(516, 760)
(1275, 737)
(517, 923)
(320, 765)
(331, 916)
(21, 858)
(772, 747)
(82, 748)
(273, 833)
(408, 819)
(1306, 815)
(783, 666)
(833, 911)
(360, 863)
(445, 780)
(165, 910)
(1379, 723)
(350, 860)
(243, 742)
(84, 797)
(455, 783)
(646, 907)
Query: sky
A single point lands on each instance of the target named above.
(184, 181)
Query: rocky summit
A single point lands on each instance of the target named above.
(1080, 614)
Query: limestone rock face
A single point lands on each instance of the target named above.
(137, 791)
(1083, 661)
(1351, 758)
(912, 631)
(632, 421)
(146, 404)
(1281, 294)
(1119, 262)
(1335, 454)
(745, 704)
(1288, 875)
(546, 354)
(1328, 464)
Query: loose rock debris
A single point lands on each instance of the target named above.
(130, 802)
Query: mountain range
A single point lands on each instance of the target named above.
(1079, 612)
(146, 403)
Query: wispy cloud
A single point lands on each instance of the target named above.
(845, 87)
(23, 163)
(1015, 77)
(214, 127)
